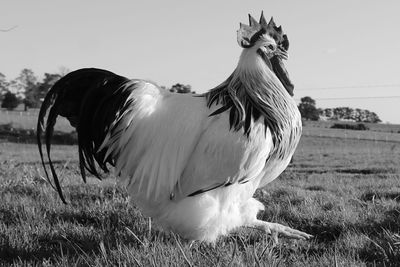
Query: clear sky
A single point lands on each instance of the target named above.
(350, 45)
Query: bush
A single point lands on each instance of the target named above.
(358, 126)
(10, 101)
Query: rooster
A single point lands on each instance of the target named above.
(191, 162)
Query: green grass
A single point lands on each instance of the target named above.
(344, 191)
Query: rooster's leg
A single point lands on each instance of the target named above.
(276, 229)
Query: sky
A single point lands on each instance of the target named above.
(342, 52)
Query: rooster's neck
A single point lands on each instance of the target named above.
(253, 92)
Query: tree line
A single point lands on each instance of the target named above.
(309, 111)
(28, 90)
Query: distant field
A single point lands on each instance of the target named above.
(351, 134)
(376, 127)
(28, 120)
(342, 189)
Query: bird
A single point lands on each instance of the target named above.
(191, 162)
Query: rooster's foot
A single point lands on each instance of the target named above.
(276, 230)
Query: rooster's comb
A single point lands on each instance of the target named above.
(247, 35)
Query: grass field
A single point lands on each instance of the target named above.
(28, 120)
(341, 188)
(375, 127)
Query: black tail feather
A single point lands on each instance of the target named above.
(99, 111)
(51, 121)
(48, 101)
(90, 100)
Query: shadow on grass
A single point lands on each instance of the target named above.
(8, 216)
(363, 171)
(76, 233)
(328, 231)
(381, 250)
(46, 247)
(22, 190)
(384, 246)
(376, 195)
(76, 217)
(316, 188)
(56, 163)
(366, 171)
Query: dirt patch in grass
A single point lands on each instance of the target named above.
(362, 171)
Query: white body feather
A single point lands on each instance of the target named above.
(168, 147)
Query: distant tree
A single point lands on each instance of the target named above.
(328, 113)
(320, 112)
(181, 89)
(10, 101)
(357, 115)
(3, 86)
(308, 109)
(43, 87)
(347, 113)
(373, 118)
(62, 71)
(25, 86)
(344, 113)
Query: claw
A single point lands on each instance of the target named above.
(280, 230)
(274, 237)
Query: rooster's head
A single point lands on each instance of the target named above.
(270, 43)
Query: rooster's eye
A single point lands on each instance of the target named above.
(270, 46)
